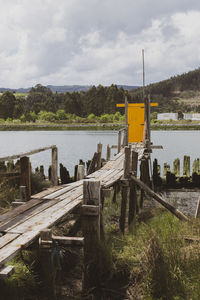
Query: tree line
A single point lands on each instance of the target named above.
(97, 100)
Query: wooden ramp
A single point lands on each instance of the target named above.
(22, 225)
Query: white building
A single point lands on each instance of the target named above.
(167, 116)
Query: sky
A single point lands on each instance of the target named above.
(84, 42)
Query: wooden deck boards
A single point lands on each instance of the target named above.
(22, 225)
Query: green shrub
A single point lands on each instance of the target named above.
(46, 116)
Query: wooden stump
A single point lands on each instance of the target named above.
(26, 175)
(54, 167)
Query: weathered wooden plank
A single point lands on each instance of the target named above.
(19, 210)
(24, 240)
(26, 215)
(7, 238)
(47, 192)
(16, 156)
(6, 271)
(47, 216)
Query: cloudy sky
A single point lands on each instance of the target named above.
(66, 42)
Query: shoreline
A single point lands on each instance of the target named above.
(103, 126)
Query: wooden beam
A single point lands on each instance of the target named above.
(68, 241)
(16, 156)
(160, 199)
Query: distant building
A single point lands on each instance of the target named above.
(167, 116)
(191, 117)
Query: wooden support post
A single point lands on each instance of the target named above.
(144, 177)
(47, 270)
(108, 153)
(125, 189)
(26, 175)
(99, 151)
(80, 172)
(133, 194)
(91, 229)
(119, 141)
(54, 168)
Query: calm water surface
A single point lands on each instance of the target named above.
(73, 145)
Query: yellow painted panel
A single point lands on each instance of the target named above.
(135, 104)
(136, 124)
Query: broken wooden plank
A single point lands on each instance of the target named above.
(159, 199)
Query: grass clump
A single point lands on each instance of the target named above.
(160, 263)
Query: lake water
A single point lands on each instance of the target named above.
(75, 145)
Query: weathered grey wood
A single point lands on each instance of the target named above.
(93, 163)
(16, 156)
(119, 141)
(160, 199)
(91, 229)
(32, 233)
(47, 268)
(197, 213)
(80, 172)
(108, 153)
(127, 161)
(7, 238)
(99, 150)
(125, 188)
(6, 271)
(134, 162)
(132, 194)
(26, 175)
(54, 166)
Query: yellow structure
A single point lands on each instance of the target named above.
(135, 120)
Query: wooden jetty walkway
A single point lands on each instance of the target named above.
(32, 220)
(22, 225)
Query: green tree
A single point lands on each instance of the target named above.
(7, 102)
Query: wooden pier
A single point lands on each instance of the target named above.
(32, 220)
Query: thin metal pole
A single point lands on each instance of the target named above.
(143, 73)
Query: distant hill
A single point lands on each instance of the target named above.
(181, 92)
(64, 88)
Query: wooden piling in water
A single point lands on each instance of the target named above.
(186, 166)
(25, 175)
(176, 167)
(108, 153)
(54, 166)
(99, 151)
